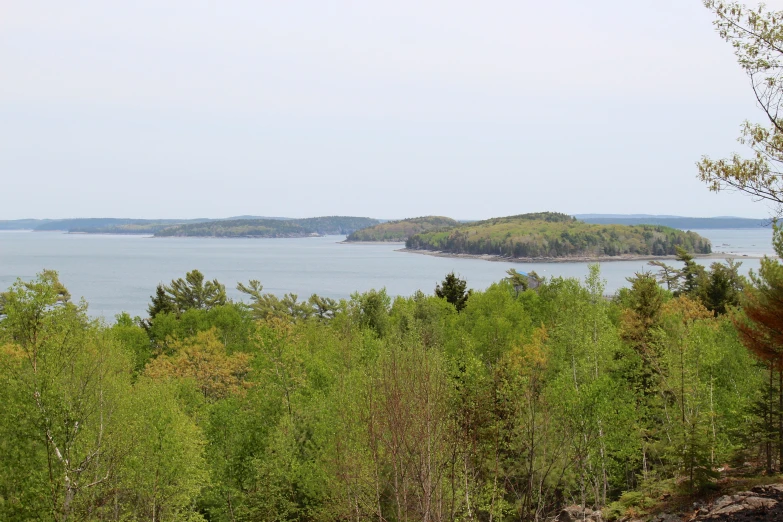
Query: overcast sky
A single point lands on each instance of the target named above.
(385, 109)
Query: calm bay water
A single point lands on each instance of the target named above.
(117, 273)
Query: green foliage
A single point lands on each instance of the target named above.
(204, 360)
(719, 288)
(323, 307)
(372, 409)
(631, 503)
(371, 310)
(691, 359)
(233, 323)
(134, 338)
(760, 326)
(552, 235)
(402, 229)
(78, 419)
(454, 290)
(516, 279)
(725, 287)
(266, 306)
(24, 303)
(756, 37)
(164, 470)
(190, 293)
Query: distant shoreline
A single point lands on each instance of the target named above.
(577, 259)
(371, 242)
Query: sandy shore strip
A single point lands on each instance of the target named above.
(579, 259)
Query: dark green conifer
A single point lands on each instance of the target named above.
(454, 290)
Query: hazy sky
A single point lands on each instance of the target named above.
(383, 109)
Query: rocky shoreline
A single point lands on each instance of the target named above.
(576, 259)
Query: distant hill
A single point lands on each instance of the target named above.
(554, 235)
(318, 226)
(111, 225)
(681, 222)
(22, 224)
(233, 218)
(398, 230)
(402, 229)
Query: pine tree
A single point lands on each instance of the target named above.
(192, 292)
(454, 290)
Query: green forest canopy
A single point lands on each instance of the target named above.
(555, 235)
(506, 404)
(402, 229)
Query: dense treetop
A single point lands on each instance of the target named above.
(554, 235)
(317, 226)
(503, 403)
(402, 229)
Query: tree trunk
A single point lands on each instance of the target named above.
(768, 442)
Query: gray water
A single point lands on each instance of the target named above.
(116, 273)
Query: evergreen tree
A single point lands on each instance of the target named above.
(323, 307)
(693, 276)
(718, 288)
(516, 279)
(724, 287)
(265, 306)
(454, 290)
(161, 302)
(192, 292)
(667, 275)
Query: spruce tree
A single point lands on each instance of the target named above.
(454, 290)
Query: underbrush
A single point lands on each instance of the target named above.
(676, 496)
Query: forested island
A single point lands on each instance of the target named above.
(402, 229)
(318, 226)
(552, 235)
